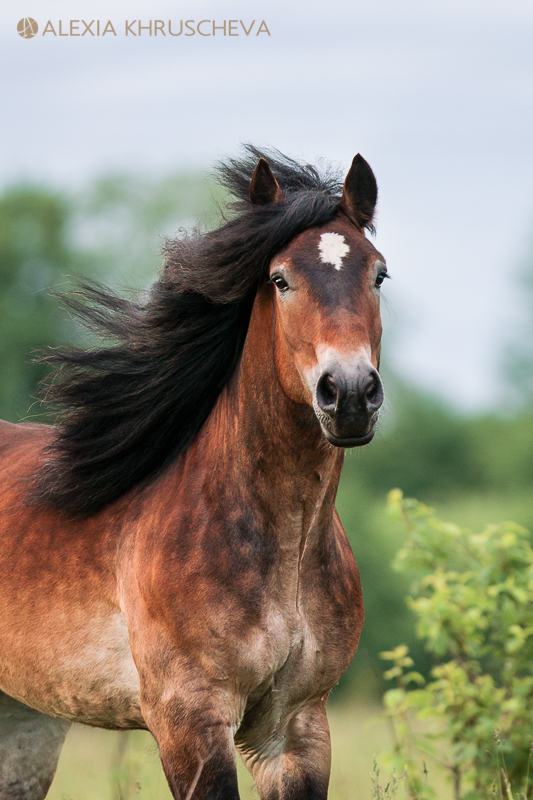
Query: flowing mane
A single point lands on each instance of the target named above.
(130, 407)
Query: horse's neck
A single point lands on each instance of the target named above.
(271, 446)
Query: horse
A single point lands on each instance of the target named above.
(170, 554)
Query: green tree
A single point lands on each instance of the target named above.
(34, 256)
(120, 221)
(111, 230)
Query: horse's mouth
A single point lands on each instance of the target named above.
(326, 423)
(349, 441)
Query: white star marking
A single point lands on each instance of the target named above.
(333, 248)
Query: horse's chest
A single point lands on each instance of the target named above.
(288, 658)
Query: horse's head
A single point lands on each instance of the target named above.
(326, 290)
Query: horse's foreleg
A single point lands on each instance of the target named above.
(30, 743)
(291, 761)
(193, 728)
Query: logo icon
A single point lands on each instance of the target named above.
(27, 28)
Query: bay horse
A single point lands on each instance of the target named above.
(170, 554)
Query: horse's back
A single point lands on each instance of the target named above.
(26, 439)
(17, 432)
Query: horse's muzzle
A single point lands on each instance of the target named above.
(347, 404)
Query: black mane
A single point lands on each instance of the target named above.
(127, 409)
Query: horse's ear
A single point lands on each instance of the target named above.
(264, 188)
(360, 193)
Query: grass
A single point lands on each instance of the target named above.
(103, 765)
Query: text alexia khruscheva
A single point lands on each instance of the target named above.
(156, 27)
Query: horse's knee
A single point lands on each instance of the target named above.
(295, 763)
(200, 763)
(195, 744)
(30, 744)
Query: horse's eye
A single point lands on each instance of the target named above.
(280, 283)
(380, 278)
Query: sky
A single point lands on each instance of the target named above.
(437, 96)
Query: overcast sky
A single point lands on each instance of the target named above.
(437, 96)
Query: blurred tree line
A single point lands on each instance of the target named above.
(475, 469)
(110, 231)
(34, 255)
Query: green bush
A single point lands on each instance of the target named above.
(472, 595)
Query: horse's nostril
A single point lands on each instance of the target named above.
(330, 387)
(327, 393)
(374, 392)
(371, 390)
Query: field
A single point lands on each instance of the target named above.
(102, 765)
